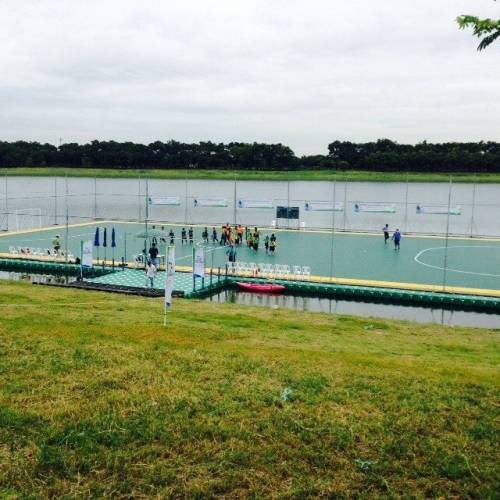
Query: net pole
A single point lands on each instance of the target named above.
(55, 201)
(405, 225)
(345, 203)
(95, 197)
(473, 207)
(288, 202)
(67, 220)
(186, 199)
(333, 227)
(146, 213)
(445, 258)
(6, 202)
(235, 194)
(139, 198)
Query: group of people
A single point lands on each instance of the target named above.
(232, 237)
(229, 235)
(396, 237)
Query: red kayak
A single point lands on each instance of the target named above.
(260, 287)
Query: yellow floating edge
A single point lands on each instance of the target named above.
(421, 287)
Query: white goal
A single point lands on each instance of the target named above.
(28, 218)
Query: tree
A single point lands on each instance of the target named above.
(486, 29)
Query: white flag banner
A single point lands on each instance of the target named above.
(87, 249)
(255, 204)
(209, 202)
(323, 206)
(438, 209)
(167, 200)
(375, 208)
(169, 276)
(199, 263)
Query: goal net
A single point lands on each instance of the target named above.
(28, 218)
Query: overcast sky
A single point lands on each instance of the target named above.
(300, 72)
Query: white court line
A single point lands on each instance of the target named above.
(440, 268)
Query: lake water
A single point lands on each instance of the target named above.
(84, 199)
(364, 309)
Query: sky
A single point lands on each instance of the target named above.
(299, 72)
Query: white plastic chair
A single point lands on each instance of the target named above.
(297, 270)
(13, 250)
(306, 271)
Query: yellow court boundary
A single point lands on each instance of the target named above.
(267, 228)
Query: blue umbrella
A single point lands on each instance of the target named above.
(96, 241)
(113, 244)
(105, 241)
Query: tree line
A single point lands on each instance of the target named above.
(382, 155)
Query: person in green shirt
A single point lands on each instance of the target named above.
(56, 243)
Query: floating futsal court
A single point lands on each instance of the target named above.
(424, 263)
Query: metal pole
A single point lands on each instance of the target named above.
(139, 198)
(67, 222)
(405, 224)
(185, 199)
(6, 203)
(125, 245)
(445, 263)
(473, 207)
(333, 226)
(288, 203)
(234, 215)
(345, 202)
(55, 201)
(95, 197)
(147, 206)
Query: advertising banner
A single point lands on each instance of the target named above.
(209, 202)
(169, 276)
(87, 254)
(255, 204)
(323, 206)
(167, 200)
(438, 209)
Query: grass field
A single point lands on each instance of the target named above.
(299, 175)
(98, 399)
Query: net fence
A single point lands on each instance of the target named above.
(456, 209)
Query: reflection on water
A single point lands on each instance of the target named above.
(36, 278)
(389, 311)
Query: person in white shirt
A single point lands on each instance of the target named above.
(150, 274)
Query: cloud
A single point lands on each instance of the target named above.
(297, 72)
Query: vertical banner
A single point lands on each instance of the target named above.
(199, 263)
(169, 277)
(87, 254)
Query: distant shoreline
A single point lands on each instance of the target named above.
(253, 175)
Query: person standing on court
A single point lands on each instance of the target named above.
(56, 244)
(231, 252)
(150, 274)
(397, 239)
(153, 255)
(385, 229)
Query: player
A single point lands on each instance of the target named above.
(385, 229)
(397, 239)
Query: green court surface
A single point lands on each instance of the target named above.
(470, 263)
(136, 278)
